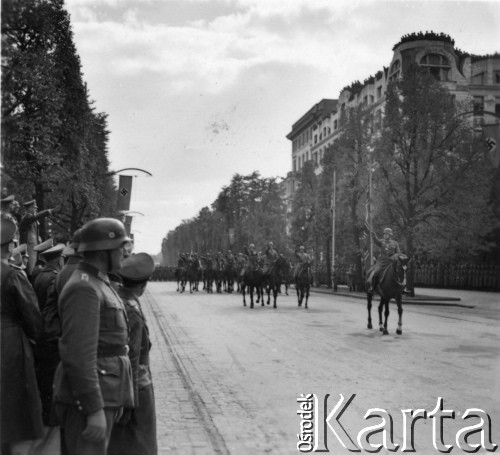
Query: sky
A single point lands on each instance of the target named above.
(197, 91)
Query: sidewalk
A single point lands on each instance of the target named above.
(427, 296)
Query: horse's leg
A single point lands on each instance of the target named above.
(297, 289)
(369, 297)
(244, 301)
(386, 314)
(380, 310)
(251, 286)
(307, 295)
(276, 289)
(399, 330)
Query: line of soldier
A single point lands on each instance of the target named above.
(75, 376)
(251, 258)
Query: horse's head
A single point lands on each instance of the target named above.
(401, 265)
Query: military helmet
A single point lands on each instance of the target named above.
(388, 231)
(8, 231)
(102, 234)
(301, 248)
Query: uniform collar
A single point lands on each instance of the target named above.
(93, 271)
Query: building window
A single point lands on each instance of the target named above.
(379, 92)
(478, 79)
(478, 105)
(335, 125)
(294, 165)
(496, 77)
(365, 100)
(315, 157)
(372, 99)
(497, 110)
(437, 65)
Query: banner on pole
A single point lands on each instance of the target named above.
(124, 192)
(492, 142)
(128, 224)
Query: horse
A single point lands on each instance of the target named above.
(252, 280)
(303, 282)
(287, 276)
(389, 285)
(230, 275)
(219, 276)
(181, 276)
(272, 282)
(193, 274)
(207, 274)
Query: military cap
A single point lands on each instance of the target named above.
(41, 247)
(9, 230)
(21, 249)
(30, 203)
(137, 268)
(17, 260)
(7, 199)
(53, 252)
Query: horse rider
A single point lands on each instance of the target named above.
(230, 257)
(304, 259)
(270, 256)
(388, 248)
(252, 258)
(219, 260)
(182, 260)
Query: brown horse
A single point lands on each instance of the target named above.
(303, 282)
(389, 285)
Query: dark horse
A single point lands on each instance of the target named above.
(303, 282)
(389, 285)
(230, 276)
(193, 274)
(272, 282)
(181, 276)
(252, 280)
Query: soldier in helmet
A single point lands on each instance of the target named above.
(21, 412)
(304, 258)
(93, 381)
(388, 247)
(270, 256)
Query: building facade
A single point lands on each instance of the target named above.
(469, 78)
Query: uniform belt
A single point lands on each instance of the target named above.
(112, 351)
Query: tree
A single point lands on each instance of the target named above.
(432, 174)
(50, 133)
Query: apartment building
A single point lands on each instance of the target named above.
(467, 77)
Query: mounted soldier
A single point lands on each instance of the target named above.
(388, 248)
(270, 256)
(253, 258)
(304, 259)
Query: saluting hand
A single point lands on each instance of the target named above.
(95, 430)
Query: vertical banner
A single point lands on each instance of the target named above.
(124, 192)
(492, 142)
(128, 224)
(231, 236)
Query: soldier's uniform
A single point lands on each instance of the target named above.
(21, 323)
(270, 256)
(304, 258)
(94, 374)
(135, 433)
(46, 352)
(388, 248)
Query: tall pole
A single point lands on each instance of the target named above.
(334, 203)
(370, 258)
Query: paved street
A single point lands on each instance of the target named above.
(227, 378)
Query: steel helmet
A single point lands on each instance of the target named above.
(102, 234)
(388, 231)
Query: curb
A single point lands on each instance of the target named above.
(419, 300)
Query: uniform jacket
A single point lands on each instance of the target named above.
(303, 257)
(387, 247)
(95, 370)
(29, 227)
(139, 342)
(21, 321)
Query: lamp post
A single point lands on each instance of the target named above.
(334, 207)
